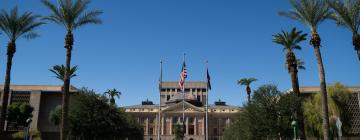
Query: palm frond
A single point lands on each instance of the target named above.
(289, 40)
(15, 25)
(59, 71)
(72, 14)
(346, 13)
(309, 12)
(246, 81)
(300, 64)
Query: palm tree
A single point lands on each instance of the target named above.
(15, 25)
(59, 71)
(112, 93)
(312, 13)
(290, 41)
(246, 82)
(347, 14)
(71, 15)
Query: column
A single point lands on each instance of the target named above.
(35, 98)
(187, 125)
(171, 124)
(203, 126)
(195, 125)
(147, 126)
(162, 125)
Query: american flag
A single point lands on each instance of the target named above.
(183, 76)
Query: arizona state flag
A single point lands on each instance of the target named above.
(208, 79)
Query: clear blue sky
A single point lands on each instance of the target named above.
(124, 52)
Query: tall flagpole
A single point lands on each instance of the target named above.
(183, 102)
(159, 114)
(206, 106)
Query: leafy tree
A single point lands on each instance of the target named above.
(178, 131)
(347, 14)
(112, 93)
(15, 25)
(290, 42)
(71, 15)
(91, 117)
(312, 13)
(18, 113)
(268, 116)
(59, 71)
(338, 98)
(246, 82)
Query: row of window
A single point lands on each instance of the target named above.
(186, 89)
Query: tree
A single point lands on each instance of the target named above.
(71, 15)
(18, 113)
(290, 42)
(312, 13)
(15, 25)
(267, 116)
(347, 14)
(178, 131)
(91, 117)
(112, 93)
(59, 71)
(338, 98)
(246, 82)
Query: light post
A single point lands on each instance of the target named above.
(26, 129)
(294, 125)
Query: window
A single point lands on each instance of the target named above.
(203, 90)
(167, 97)
(151, 130)
(215, 131)
(191, 129)
(198, 98)
(174, 119)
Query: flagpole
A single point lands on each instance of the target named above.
(159, 110)
(206, 106)
(183, 102)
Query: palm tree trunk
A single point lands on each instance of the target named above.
(248, 91)
(356, 43)
(316, 41)
(292, 67)
(11, 49)
(69, 40)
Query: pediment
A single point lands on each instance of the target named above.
(178, 108)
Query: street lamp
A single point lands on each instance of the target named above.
(26, 129)
(294, 125)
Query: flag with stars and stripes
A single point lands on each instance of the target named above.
(183, 76)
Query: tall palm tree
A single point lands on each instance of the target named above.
(59, 71)
(246, 82)
(112, 93)
(15, 25)
(312, 13)
(71, 15)
(347, 14)
(290, 41)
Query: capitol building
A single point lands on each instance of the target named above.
(174, 106)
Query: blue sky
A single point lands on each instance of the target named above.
(124, 52)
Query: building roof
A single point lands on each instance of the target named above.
(313, 89)
(212, 106)
(187, 84)
(48, 88)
